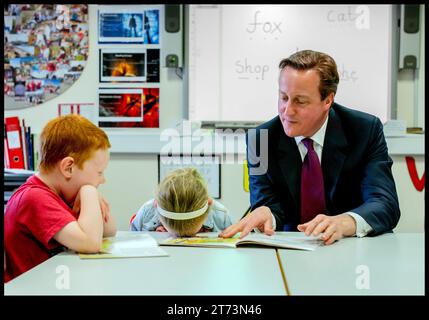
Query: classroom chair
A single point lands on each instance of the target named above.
(132, 218)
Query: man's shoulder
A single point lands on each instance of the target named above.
(357, 126)
(351, 115)
(272, 124)
(269, 130)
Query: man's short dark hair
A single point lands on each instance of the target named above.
(321, 62)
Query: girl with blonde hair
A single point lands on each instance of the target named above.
(182, 206)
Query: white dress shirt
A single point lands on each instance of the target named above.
(362, 227)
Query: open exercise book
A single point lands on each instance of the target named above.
(127, 246)
(211, 239)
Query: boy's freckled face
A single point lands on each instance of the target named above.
(92, 173)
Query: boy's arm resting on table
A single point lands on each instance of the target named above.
(86, 234)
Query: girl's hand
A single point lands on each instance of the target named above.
(161, 229)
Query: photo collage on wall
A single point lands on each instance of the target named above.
(45, 51)
(129, 59)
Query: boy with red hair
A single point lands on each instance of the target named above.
(60, 205)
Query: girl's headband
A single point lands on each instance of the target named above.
(182, 215)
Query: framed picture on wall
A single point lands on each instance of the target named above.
(119, 105)
(123, 65)
(128, 25)
(150, 113)
(208, 166)
(120, 26)
(151, 26)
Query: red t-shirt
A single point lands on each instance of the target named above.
(34, 214)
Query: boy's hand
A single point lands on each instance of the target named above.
(108, 219)
(105, 207)
(76, 203)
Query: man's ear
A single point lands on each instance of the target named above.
(67, 167)
(329, 100)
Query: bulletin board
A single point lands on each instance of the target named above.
(129, 45)
(45, 51)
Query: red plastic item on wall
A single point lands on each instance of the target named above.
(419, 184)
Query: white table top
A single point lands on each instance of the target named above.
(187, 271)
(394, 262)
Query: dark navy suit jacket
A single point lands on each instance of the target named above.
(356, 171)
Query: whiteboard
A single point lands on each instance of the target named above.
(235, 50)
(207, 166)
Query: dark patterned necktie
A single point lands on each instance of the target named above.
(312, 190)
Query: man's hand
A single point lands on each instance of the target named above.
(332, 227)
(260, 218)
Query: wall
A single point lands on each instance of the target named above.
(411, 201)
(132, 178)
(85, 89)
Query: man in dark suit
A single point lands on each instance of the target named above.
(318, 167)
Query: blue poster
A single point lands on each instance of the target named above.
(121, 27)
(151, 27)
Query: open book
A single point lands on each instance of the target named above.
(127, 246)
(211, 239)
